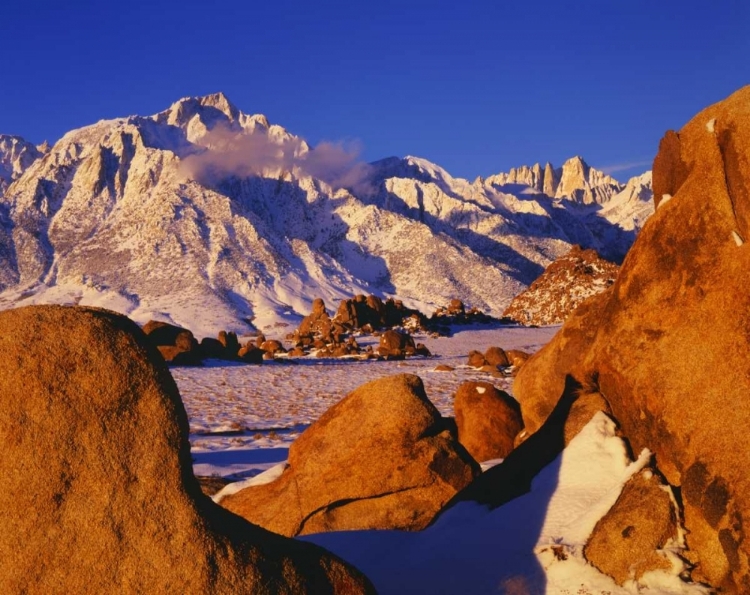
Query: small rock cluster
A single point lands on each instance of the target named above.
(497, 361)
(323, 336)
(319, 335)
(457, 313)
(179, 347)
(369, 315)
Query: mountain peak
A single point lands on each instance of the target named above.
(575, 159)
(576, 180)
(208, 109)
(582, 183)
(221, 103)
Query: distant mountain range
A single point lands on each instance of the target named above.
(213, 219)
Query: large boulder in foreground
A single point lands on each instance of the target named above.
(668, 344)
(381, 458)
(98, 492)
(488, 420)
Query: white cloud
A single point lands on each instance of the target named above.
(611, 169)
(232, 153)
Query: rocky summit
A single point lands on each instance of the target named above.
(667, 344)
(576, 180)
(203, 208)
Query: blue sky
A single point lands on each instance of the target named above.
(477, 87)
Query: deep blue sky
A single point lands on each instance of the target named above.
(477, 87)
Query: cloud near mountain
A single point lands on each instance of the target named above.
(228, 152)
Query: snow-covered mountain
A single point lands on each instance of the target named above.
(208, 217)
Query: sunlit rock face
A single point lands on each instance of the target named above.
(99, 494)
(667, 344)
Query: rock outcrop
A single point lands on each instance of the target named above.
(381, 458)
(457, 313)
(323, 336)
(226, 346)
(562, 287)
(396, 344)
(532, 176)
(372, 313)
(626, 541)
(488, 420)
(317, 323)
(584, 184)
(98, 491)
(668, 343)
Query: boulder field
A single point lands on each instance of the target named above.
(98, 490)
(666, 346)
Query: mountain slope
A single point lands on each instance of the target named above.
(562, 287)
(208, 217)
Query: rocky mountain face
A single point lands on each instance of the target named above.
(210, 218)
(562, 287)
(16, 155)
(576, 180)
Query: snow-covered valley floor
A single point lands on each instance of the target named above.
(243, 419)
